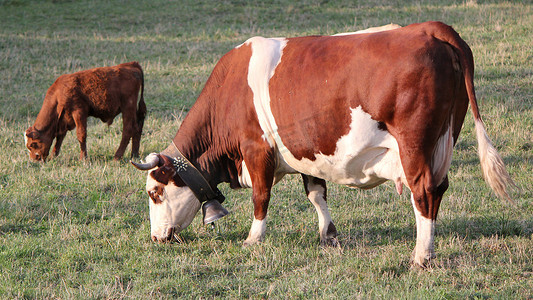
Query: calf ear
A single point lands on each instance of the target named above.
(32, 133)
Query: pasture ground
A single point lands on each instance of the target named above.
(79, 229)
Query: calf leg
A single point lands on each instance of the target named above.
(129, 126)
(80, 119)
(136, 139)
(316, 191)
(59, 142)
(136, 143)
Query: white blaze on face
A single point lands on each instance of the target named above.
(175, 210)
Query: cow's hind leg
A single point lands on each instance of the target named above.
(426, 194)
(426, 205)
(425, 162)
(316, 191)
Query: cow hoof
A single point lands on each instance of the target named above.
(423, 261)
(420, 265)
(248, 243)
(330, 242)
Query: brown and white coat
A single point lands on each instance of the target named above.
(354, 109)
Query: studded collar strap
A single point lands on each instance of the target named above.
(194, 179)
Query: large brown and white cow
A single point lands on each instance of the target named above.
(100, 92)
(354, 109)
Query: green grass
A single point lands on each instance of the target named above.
(80, 229)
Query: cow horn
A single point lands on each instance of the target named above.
(152, 161)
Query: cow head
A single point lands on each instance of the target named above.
(38, 144)
(172, 203)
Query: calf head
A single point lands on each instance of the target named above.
(38, 144)
(172, 203)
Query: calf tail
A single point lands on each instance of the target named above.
(492, 164)
(141, 109)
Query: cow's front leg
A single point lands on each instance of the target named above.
(259, 160)
(257, 232)
(261, 198)
(316, 191)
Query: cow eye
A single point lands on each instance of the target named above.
(33, 145)
(155, 197)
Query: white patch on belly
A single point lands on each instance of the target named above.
(365, 157)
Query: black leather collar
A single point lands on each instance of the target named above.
(194, 179)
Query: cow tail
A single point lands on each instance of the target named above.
(492, 165)
(141, 109)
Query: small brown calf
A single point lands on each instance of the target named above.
(100, 92)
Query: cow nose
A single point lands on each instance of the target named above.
(162, 240)
(167, 238)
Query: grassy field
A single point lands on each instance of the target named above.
(73, 229)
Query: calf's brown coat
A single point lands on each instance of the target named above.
(100, 92)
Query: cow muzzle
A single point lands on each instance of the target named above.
(168, 237)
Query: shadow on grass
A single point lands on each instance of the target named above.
(372, 232)
(27, 229)
(467, 228)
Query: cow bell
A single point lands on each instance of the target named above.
(212, 211)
